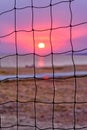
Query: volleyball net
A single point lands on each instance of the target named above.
(17, 125)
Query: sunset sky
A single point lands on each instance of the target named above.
(42, 20)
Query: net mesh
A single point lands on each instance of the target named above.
(17, 125)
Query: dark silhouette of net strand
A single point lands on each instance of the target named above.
(72, 52)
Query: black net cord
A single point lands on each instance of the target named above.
(52, 62)
(74, 66)
(15, 30)
(72, 51)
(35, 99)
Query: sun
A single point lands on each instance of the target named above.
(41, 45)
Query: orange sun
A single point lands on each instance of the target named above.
(41, 45)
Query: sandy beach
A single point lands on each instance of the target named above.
(36, 100)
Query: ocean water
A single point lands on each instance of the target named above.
(28, 60)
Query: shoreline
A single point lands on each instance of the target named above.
(45, 76)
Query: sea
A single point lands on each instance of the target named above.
(41, 61)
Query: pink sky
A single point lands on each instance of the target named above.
(60, 16)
